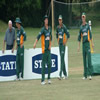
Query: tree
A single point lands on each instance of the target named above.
(31, 12)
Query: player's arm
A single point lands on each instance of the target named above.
(24, 37)
(38, 37)
(50, 40)
(92, 43)
(57, 34)
(24, 33)
(13, 46)
(66, 31)
(79, 41)
(34, 46)
(78, 46)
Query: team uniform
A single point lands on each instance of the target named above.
(61, 34)
(46, 37)
(86, 36)
(21, 36)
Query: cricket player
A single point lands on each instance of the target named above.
(9, 39)
(86, 36)
(21, 37)
(46, 37)
(62, 34)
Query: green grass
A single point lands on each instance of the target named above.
(72, 89)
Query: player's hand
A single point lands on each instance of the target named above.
(78, 50)
(21, 45)
(65, 43)
(3, 50)
(12, 50)
(92, 45)
(16, 47)
(49, 47)
(34, 46)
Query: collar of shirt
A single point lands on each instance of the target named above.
(61, 26)
(10, 30)
(84, 24)
(46, 28)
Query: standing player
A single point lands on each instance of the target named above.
(21, 37)
(46, 37)
(61, 33)
(86, 36)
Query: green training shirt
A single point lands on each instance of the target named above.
(85, 33)
(20, 32)
(47, 36)
(60, 32)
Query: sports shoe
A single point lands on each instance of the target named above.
(49, 81)
(20, 78)
(43, 83)
(65, 77)
(84, 78)
(59, 78)
(90, 78)
(17, 79)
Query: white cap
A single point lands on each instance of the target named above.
(89, 22)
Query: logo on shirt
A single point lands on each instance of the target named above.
(84, 34)
(37, 64)
(60, 37)
(47, 38)
(7, 65)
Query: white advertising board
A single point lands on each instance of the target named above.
(32, 64)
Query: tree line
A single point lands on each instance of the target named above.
(31, 12)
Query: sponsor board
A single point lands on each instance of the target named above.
(7, 66)
(37, 64)
(32, 64)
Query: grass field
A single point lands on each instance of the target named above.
(72, 89)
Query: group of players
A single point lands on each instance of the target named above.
(62, 35)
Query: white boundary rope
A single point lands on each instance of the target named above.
(82, 3)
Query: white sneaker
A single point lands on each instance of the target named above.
(21, 79)
(65, 77)
(17, 79)
(84, 78)
(59, 78)
(90, 78)
(49, 81)
(43, 83)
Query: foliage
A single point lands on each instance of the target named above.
(31, 12)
